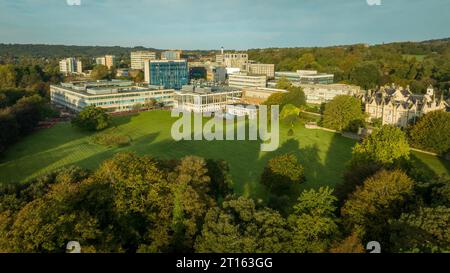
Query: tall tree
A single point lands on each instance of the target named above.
(92, 118)
(342, 112)
(239, 227)
(432, 132)
(380, 198)
(313, 223)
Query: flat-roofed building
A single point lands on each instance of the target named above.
(171, 74)
(205, 100)
(100, 61)
(216, 74)
(197, 72)
(110, 61)
(171, 55)
(242, 109)
(305, 76)
(238, 60)
(114, 96)
(243, 80)
(70, 66)
(107, 60)
(138, 58)
(262, 69)
(321, 93)
(220, 59)
(79, 67)
(122, 72)
(258, 95)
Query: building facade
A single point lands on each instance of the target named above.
(205, 100)
(70, 66)
(240, 110)
(399, 106)
(258, 95)
(197, 72)
(238, 60)
(306, 76)
(110, 61)
(171, 74)
(107, 60)
(171, 55)
(216, 74)
(262, 69)
(114, 96)
(243, 80)
(138, 59)
(322, 93)
(100, 61)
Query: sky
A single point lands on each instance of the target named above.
(233, 24)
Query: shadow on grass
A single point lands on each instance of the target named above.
(420, 165)
(95, 160)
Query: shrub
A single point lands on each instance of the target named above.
(111, 139)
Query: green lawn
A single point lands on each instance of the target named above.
(323, 154)
(419, 58)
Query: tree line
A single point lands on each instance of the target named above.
(24, 97)
(409, 63)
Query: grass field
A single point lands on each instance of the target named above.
(323, 154)
(408, 57)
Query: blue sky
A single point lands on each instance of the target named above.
(209, 24)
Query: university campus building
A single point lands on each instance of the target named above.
(170, 74)
(322, 93)
(70, 66)
(114, 96)
(138, 58)
(241, 80)
(205, 99)
(399, 106)
(305, 77)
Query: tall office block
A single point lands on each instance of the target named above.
(139, 57)
(167, 73)
(70, 66)
(171, 55)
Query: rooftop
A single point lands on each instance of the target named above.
(95, 88)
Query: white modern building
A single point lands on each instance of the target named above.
(240, 110)
(114, 96)
(305, 76)
(243, 80)
(322, 93)
(107, 60)
(138, 58)
(70, 66)
(209, 100)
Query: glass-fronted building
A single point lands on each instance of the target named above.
(306, 77)
(170, 74)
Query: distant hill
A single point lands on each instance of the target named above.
(61, 51)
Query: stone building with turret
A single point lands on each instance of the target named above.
(399, 106)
